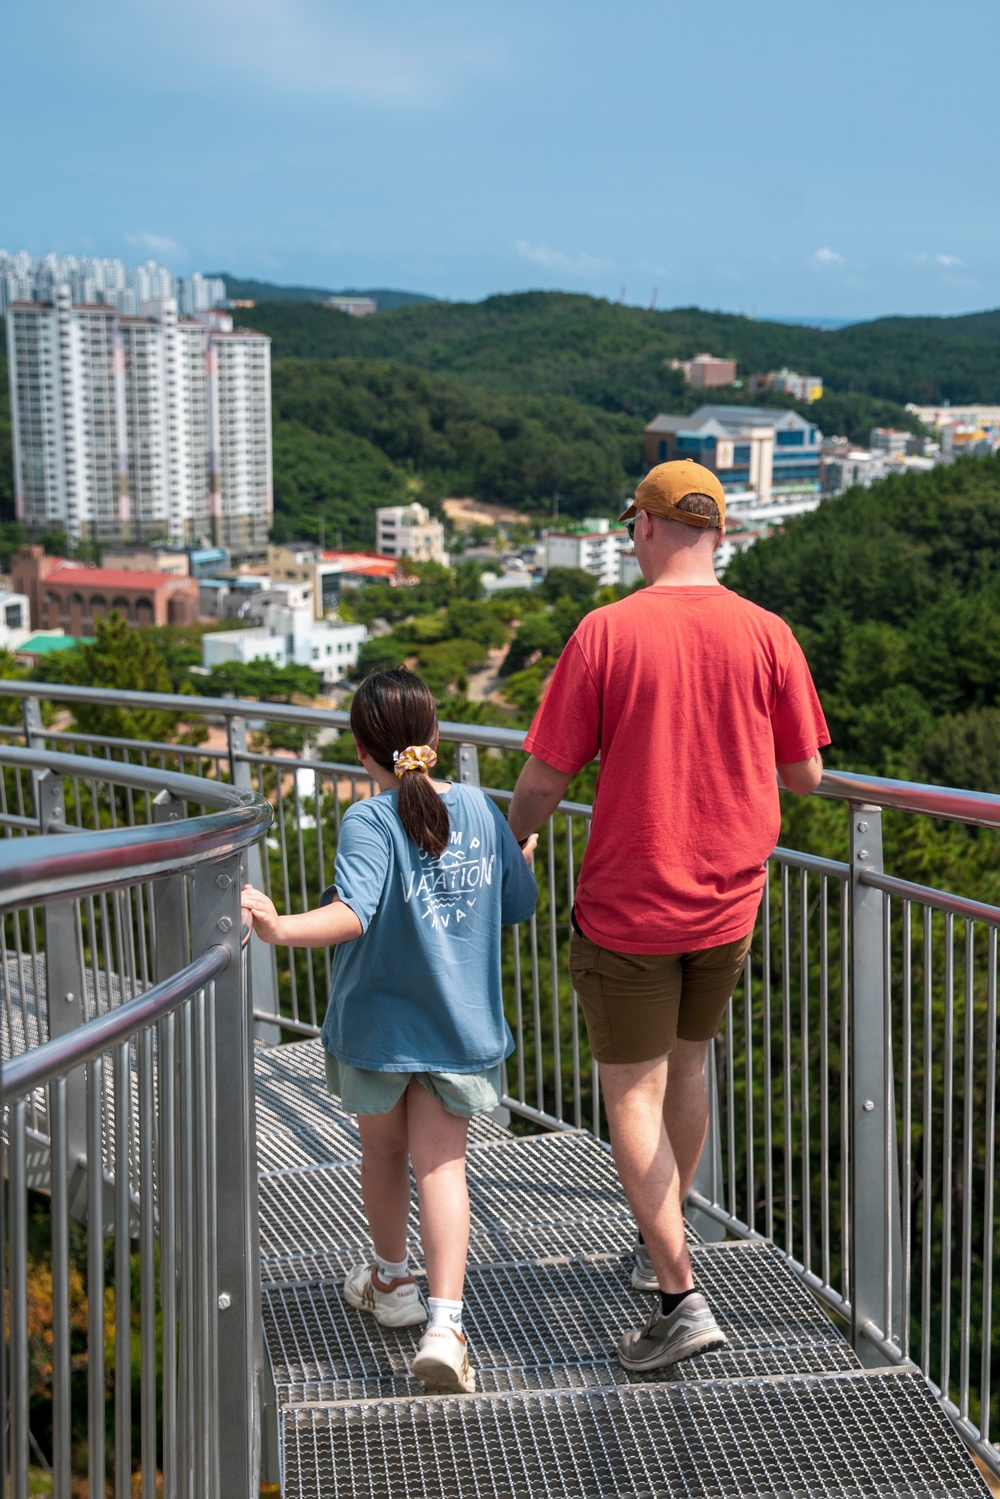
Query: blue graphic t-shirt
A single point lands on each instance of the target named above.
(419, 990)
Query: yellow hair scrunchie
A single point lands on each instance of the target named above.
(414, 757)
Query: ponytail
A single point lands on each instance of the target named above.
(394, 717)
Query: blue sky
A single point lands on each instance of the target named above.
(797, 160)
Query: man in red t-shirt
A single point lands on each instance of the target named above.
(692, 696)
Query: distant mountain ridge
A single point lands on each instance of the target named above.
(240, 289)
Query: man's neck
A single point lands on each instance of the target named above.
(682, 570)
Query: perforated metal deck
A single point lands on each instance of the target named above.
(843, 1436)
(783, 1410)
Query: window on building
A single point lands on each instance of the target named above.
(795, 438)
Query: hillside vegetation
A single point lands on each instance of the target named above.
(894, 594)
(551, 343)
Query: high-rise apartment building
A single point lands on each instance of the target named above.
(131, 428)
(25, 278)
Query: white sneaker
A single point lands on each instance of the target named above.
(398, 1305)
(442, 1361)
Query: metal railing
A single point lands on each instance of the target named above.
(853, 1086)
(127, 1034)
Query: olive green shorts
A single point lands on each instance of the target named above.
(637, 1005)
(463, 1094)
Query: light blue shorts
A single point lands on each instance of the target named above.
(463, 1094)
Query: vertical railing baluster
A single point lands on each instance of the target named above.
(123, 1272)
(768, 1159)
(989, 1180)
(59, 1223)
(968, 1118)
(786, 1058)
(927, 1212)
(806, 1082)
(748, 1072)
(906, 1105)
(536, 1013)
(574, 1000)
(554, 969)
(824, 1077)
(96, 1390)
(947, 1164)
(18, 1289)
(147, 1266)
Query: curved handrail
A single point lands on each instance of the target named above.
(54, 1058)
(61, 864)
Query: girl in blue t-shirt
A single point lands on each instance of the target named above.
(426, 873)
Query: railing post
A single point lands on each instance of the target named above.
(874, 1177)
(263, 960)
(467, 764)
(31, 717)
(64, 992)
(217, 921)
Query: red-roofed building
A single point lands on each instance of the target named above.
(327, 571)
(71, 596)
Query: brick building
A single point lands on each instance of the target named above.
(71, 596)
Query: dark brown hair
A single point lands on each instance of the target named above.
(701, 504)
(392, 710)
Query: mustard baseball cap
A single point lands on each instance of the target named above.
(668, 483)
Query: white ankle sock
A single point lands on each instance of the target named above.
(392, 1269)
(444, 1313)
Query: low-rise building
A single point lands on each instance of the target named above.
(72, 596)
(153, 559)
(353, 306)
(15, 620)
(595, 547)
(705, 371)
(789, 383)
(290, 636)
(409, 531)
(890, 441)
(769, 451)
(328, 572)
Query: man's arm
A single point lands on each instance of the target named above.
(803, 776)
(539, 790)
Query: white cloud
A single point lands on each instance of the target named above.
(558, 260)
(157, 244)
(921, 257)
(826, 256)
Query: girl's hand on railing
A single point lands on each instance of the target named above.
(259, 910)
(529, 847)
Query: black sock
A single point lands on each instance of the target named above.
(671, 1300)
(638, 1234)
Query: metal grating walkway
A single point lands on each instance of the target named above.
(784, 1410)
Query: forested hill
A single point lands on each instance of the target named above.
(894, 594)
(613, 356)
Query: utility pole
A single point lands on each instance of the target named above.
(555, 506)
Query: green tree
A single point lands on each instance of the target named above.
(261, 680)
(120, 659)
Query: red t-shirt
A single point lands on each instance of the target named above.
(691, 695)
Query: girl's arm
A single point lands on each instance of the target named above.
(323, 927)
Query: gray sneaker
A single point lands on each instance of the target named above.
(643, 1274)
(689, 1329)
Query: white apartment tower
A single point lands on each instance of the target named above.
(116, 419)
